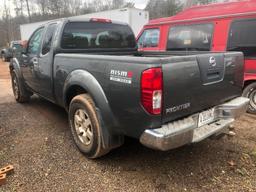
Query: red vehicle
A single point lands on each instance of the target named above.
(216, 27)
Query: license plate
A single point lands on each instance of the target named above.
(205, 117)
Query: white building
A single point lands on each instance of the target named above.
(136, 18)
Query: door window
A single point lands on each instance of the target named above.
(48, 38)
(242, 37)
(149, 38)
(197, 37)
(34, 42)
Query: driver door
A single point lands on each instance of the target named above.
(30, 65)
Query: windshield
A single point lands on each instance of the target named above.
(190, 37)
(85, 35)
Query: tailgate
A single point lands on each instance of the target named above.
(195, 83)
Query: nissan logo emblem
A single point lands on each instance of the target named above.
(212, 61)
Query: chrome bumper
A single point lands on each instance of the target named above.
(185, 131)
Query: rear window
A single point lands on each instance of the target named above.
(190, 37)
(85, 35)
(242, 37)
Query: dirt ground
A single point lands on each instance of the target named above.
(36, 139)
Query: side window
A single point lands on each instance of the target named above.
(190, 37)
(34, 42)
(149, 38)
(48, 38)
(242, 37)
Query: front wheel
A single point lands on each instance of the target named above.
(19, 91)
(85, 126)
(250, 92)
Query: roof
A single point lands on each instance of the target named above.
(211, 10)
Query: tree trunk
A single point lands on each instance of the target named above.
(29, 16)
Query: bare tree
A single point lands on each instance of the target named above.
(42, 6)
(164, 8)
(28, 10)
(6, 22)
(75, 6)
(18, 7)
(204, 2)
(190, 3)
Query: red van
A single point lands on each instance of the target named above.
(216, 27)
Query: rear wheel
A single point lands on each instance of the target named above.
(19, 91)
(85, 127)
(250, 92)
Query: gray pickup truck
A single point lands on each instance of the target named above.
(92, 69)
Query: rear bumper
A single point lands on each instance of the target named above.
(185, 131)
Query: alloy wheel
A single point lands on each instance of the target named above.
(83, 127)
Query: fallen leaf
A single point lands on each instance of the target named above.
(231, 163)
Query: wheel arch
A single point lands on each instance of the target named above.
(73, 91)
(15, 66)
(81, 81)
(248, 82)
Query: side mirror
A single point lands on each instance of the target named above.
(24, 45)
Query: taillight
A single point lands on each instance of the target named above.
(151, 90)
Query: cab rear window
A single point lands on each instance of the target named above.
(190, 37)
(242, 37)
(86, 35)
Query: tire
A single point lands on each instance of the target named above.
(19, 91)
(250, 92)
(85, 126)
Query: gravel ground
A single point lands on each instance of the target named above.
(36, 139)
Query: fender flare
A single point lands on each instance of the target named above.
(14, 65)
(88, 82)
